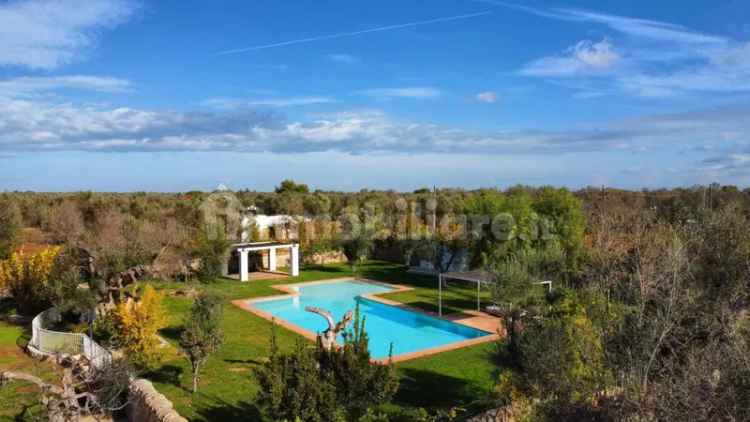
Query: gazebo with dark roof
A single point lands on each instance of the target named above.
(476, 276)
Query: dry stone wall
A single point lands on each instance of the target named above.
(148, 405)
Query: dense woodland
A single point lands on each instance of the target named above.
(648, 321)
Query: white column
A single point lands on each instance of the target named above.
(243, 266)
(272, 259)
(294, 261)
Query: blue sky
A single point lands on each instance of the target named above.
(125, 95)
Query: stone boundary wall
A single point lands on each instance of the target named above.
(494, 415)
(148, 405)
(501, 414)
(323, 258)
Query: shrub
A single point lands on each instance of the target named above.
(293, 387)
(559, 355)
(64, 287)
(358, 248)
(315, 384)
(360, 384)
(26, 276)
(139, 322)
(517, 276)
(211, 248)
(106, 329)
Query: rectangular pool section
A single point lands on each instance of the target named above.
(408, 331)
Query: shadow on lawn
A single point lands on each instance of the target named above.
(386, 271)
(393, 274)
(167, 374)
(325, 269)
(7, 307)
(421, 388)
(171, 333)
(223, 411)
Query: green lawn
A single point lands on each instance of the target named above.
(227, 389)
(16, 396)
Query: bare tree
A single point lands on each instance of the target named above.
(66, 224)
(328, 337)
(84, 390)
(652, 333)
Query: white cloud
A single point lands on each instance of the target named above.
(344, 58)
(45, 34)
(596, 55)
(644, 28)
(236, 103)
(29, 85)
(653, 59)
(30, 125)
(487, 97)
(584, 58)
(406, 92)
(733, 165)
(732, 161)
(719, 70)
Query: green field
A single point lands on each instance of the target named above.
(462, 378)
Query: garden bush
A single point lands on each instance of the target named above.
(26, 276)
(315, 384)
(139, 322)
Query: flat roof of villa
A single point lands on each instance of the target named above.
(261, 244)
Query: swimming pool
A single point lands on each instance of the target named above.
(408, 331)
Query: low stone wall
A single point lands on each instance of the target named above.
(324, 258)
(501, 414)
(148, 405)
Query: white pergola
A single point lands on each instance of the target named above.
(479, 277)
(245, 248)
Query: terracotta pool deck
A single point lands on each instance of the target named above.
(261, 275)
(474, 319)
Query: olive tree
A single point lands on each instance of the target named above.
(202, 333)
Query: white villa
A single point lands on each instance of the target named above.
(281, 250)
(277, 226)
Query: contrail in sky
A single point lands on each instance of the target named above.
(351, 34)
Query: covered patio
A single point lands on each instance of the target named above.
(271, 248)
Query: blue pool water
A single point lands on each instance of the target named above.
(408, 331)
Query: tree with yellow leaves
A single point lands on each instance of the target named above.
(139, 323)
(26, 276)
